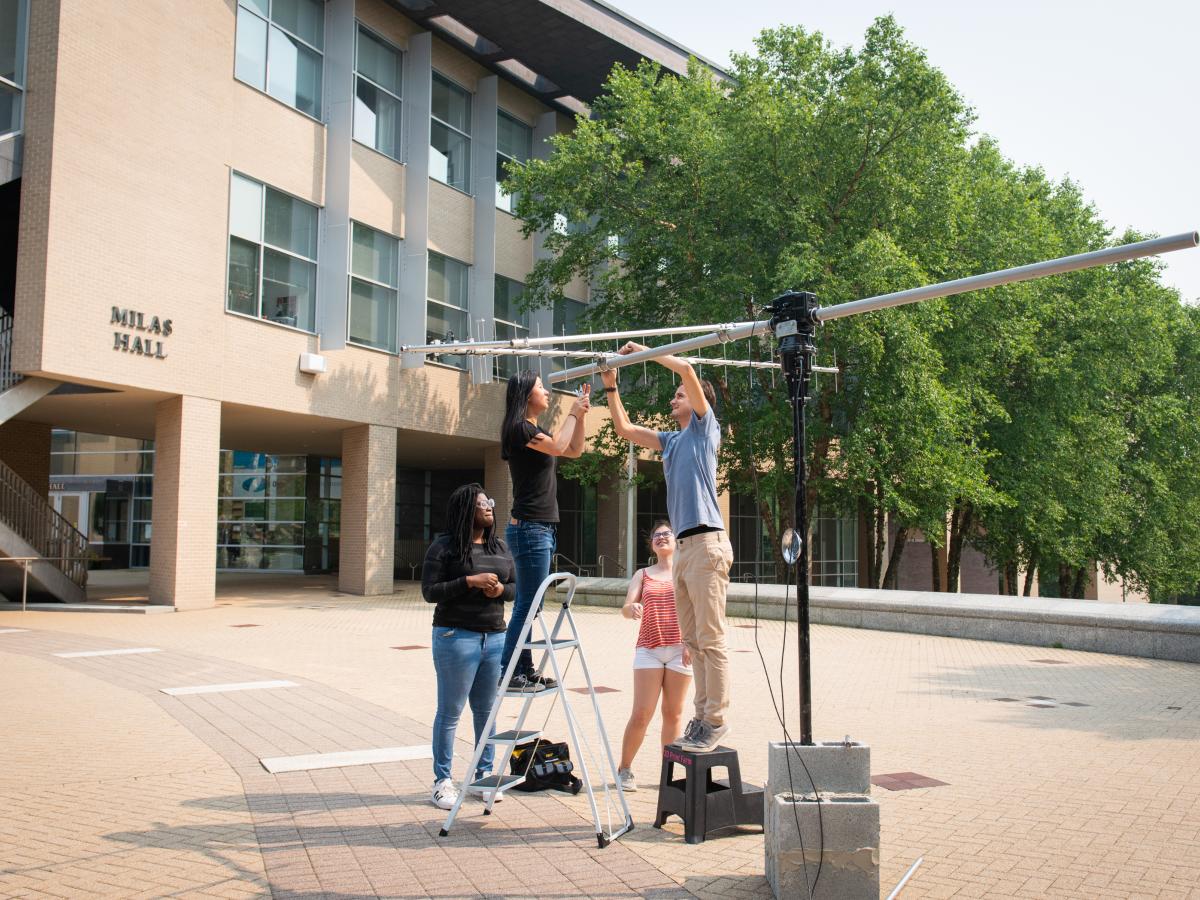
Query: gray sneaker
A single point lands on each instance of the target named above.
(705, 738)
(687, 732)
(625, 780)
(523, 684)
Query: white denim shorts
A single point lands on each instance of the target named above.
(668, 657)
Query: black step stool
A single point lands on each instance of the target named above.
(706, 804)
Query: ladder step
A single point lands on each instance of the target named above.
(545, 692)
(559, 644)
(495, 782)
(513, 737)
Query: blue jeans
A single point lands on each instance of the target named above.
(531, 545)
(467, 664)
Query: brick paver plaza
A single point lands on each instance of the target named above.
(1065, 774)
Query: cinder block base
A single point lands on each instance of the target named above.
(835, 767)
(840, 834)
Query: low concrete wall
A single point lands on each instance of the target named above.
(1133, 629)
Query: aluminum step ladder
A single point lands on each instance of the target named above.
(563, 636)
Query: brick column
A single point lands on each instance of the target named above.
(183, 539)
(25, 448)
(368, 530)
(498, 485)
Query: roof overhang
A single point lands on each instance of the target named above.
(560, 51)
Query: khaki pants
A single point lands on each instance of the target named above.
(701, 579)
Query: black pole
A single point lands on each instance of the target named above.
(794, 321)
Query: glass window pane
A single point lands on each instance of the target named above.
(376, 119)
(508, 296)
(295, 74)
(451, 104)
(259, 6)
(373, 255)
(289, 290)
(566, 316)
(243, 277)
(291, 224)
(446, 324)
(378, 61)
(10, 110)
(303, 18)
(513, 138)
(11, 39)
(448, 282)
(372, 315)
(250, 60)
(245, 208)
(449, 157)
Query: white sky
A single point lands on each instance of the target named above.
(1102, 92)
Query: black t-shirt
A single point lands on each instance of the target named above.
(444, 582)
(535, 485)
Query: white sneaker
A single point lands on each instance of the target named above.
(625, 780)
(444, 794)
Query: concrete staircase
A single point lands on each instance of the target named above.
(31, 532)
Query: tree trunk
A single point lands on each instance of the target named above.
(961, 519)
(1029, 575)
(1010, 579)
(893, 565)
(880, 538)
(936, 573)
(1079, 584)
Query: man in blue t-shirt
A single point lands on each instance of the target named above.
(703, 555)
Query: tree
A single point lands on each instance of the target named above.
(812, 167)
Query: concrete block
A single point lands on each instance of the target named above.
(835, 767)
(840, 834)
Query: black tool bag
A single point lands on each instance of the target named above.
(546, 766)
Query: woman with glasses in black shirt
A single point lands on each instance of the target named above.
(469, 574)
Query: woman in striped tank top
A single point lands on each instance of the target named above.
(661, 663)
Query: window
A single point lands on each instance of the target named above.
(13, 16)
(374, 275)
(511, 322)
(377, 94)
(834, 549)
(446, 316)
(272, 255)
(279, 50)
(514, 143)
(450, 134)
(567, 314)
(260, 511)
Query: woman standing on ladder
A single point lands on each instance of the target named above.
(662, 665)
(532, 454)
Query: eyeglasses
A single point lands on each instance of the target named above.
(486, 503)
(661, 536)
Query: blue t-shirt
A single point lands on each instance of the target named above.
(690, 466)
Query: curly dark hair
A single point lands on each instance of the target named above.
(460, 524)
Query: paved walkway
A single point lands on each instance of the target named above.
(1067, 773)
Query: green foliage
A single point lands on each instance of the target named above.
(1050, 424)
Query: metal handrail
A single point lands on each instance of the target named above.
(559, 558)
(600, 560)
(27, 513)
(8, 377)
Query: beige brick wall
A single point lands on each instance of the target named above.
(462, 71)
(25, 448)
(519, 104)
(368, 510)
(382, 18)
(377, 190)
(498, 484)
(33, 237)
(451, 222)
(514, 254)
(187, 439)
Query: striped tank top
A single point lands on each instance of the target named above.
(660, 625)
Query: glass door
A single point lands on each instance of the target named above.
(74, 508)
